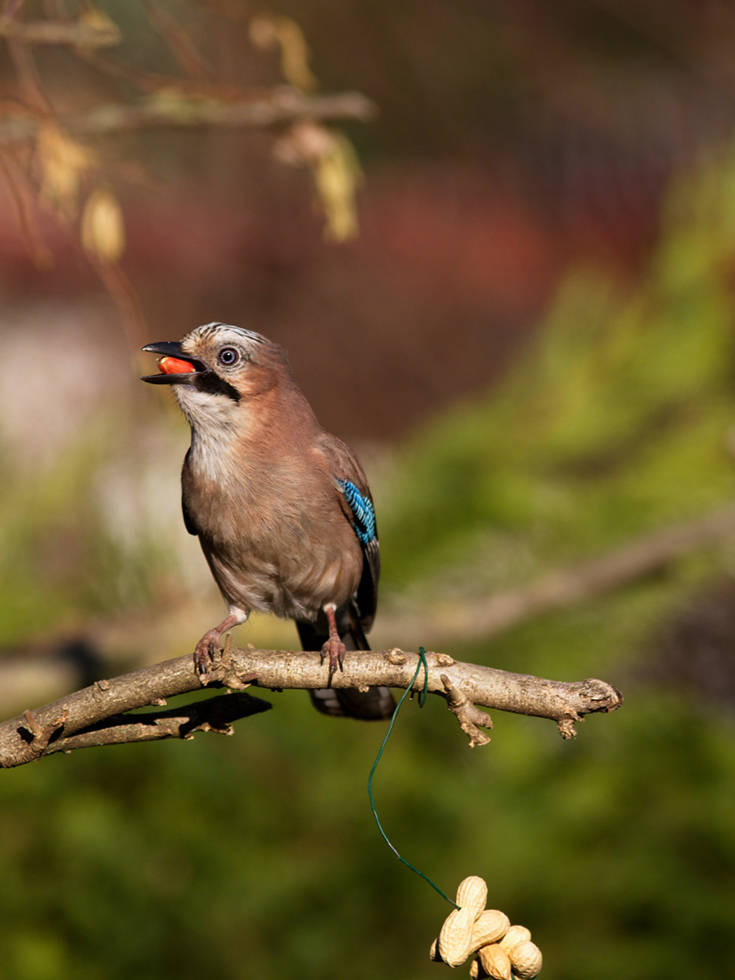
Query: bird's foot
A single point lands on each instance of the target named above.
(334, 650)
(207, 654)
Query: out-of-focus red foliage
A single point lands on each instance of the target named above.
(514, 138)
(451, 271)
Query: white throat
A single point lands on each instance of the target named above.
(216, 422)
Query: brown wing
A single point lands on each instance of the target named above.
(356, 502)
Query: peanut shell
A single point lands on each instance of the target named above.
(477, 971)
(526, 960)
(515, 935)
(490, 926)
(456, 933)
(495, 961)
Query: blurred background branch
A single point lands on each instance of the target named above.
(566, 588)
(90, 31)
(50, 162)
(63, 662)
(279, 108)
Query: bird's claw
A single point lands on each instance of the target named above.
(206, 654)
(334, 650)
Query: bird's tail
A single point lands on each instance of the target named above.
(375, 704)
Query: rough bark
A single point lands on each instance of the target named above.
(98, 715)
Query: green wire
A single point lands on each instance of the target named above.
(422, 699)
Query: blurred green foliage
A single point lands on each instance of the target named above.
(616, 422)
(47, 536)
(257, 855)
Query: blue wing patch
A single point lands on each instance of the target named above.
(363, 512)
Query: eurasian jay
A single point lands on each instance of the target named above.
(282, 509)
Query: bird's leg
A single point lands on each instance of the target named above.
(334, 648)
(207, 649)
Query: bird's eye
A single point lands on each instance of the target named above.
(229, 356)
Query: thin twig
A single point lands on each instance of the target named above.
(281, 107)
(189, 59)
(213, 715)
(60, 33)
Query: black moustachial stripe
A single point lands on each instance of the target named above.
(212, 384)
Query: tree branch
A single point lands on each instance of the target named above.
(437, 623)
(96, 715)
(62, 33)
(280, 106)
(566, 587)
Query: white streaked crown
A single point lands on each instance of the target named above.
(222, 333)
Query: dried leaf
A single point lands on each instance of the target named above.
(336, 170)
(337, 174)
(102, 227)
(268, 31)
(62, 162)
(99, 30)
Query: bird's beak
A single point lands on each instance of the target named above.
(175, 367)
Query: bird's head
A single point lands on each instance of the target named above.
(217, 366)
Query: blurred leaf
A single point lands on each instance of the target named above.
(103, 227)
(104, 32)
(336, 170)
(269, 31)
(337, 173)
(63, 161)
